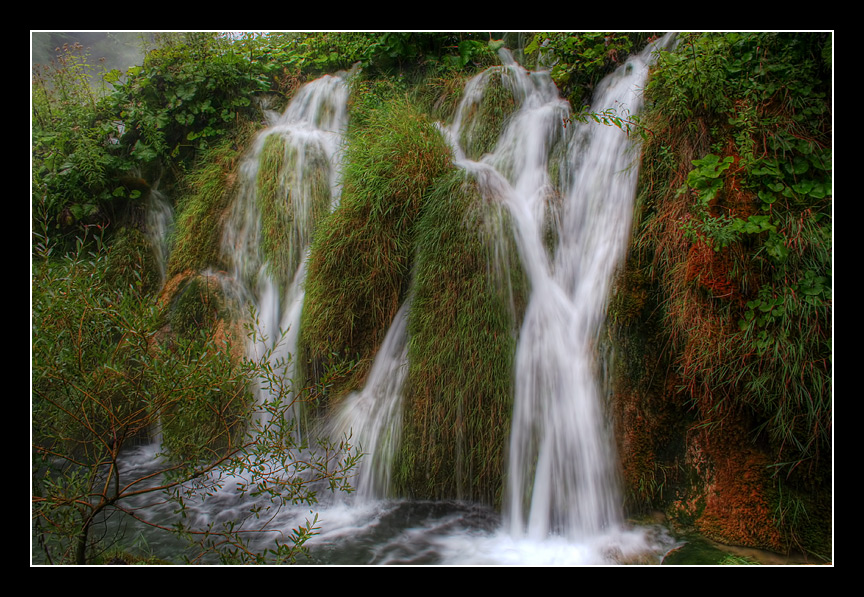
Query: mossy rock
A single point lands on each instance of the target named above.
(202, 200)
(462, 327)
(699, 552)
(486, 119)
(361, 257)
(293, 187)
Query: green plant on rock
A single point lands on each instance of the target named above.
(362, 253)
(203, 196)
(485, 121)
(468, 294)
(741, 138)
(293, 191)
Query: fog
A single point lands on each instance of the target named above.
(104, 50)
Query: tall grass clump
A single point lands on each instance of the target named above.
(467, 296)
(362, 253)
(288, 178)
(203, 196)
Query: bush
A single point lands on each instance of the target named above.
(104, 381)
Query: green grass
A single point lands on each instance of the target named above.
(203, 197)
(361, 257)
(462, 341)
(293, 187)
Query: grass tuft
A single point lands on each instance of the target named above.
(362, 254)
(462, 327)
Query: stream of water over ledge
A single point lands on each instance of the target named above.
(562, 502)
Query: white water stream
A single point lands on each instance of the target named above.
(159, 223)
(562, 481)
(312, 128)
(372, 418)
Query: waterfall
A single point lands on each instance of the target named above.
(288, 180)
(568, 189)
(159, 224)
(372, 417)
(562, 463)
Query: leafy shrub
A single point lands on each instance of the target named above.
(104, 381)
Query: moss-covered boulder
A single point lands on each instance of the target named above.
(468, 295)
(361, 258)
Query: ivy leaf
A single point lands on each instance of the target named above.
(797, 166)
(820, 190)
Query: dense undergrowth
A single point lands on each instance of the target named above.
(721, 320)
(731, 274)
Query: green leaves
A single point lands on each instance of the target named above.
(763, 311)
(177, 102)
(753, 225)
(706, 178)
(814, 286)
(580, 60)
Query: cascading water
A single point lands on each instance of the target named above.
(273, 218)
(562, 464)
(160, 222)
(562, 504)
(372, 417)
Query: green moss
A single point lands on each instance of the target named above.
(803, 512)
(699, 552)
(361, 257)
(204, 195)
(276, 213)
(485, 121)
(462, 341)
(293, 194)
